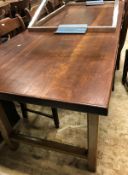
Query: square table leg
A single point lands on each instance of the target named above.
(92, 124)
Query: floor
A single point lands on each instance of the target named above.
(112, 142)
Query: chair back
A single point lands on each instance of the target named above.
(8, 25)
(57, 3)
(19, 6)
(49, 7)
(5, 10)
(2, 14)
(30, 13)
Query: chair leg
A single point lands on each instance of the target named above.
(55, 117)
(125, 70)
(113, 83)
(54, 114)
(24, 110)
(118, 59)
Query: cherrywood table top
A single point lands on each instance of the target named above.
(69, 71)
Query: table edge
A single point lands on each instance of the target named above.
(100, 110)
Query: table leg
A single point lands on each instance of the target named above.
(92, 124)
(5, 128)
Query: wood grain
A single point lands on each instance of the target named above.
(62, 70)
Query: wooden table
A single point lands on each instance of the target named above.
(63, 71)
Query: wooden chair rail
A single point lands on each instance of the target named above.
(8, 25)
(54, 115)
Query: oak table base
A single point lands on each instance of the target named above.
(89, 154)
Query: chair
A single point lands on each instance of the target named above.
(17, 7)
(30, 13)
(123, 33)
(10, 27)
(5, 10)
(56, 3)
(2, 15)
(125, 71)
(54, 115)
(49, 7)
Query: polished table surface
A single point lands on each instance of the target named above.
(67, 71)
(73, 69)
(77, 69)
